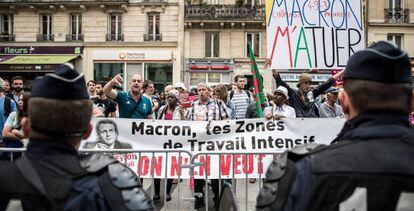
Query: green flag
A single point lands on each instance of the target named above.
(257, 81)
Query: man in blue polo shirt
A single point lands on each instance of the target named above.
(131, 104)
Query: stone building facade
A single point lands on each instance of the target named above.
(110, 37)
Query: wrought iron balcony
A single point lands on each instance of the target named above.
(45, 37)
(396, 15)
(152, 37)
(74, 37)
(225, 12)
(7, 37)
(115, 37)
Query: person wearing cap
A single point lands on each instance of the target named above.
(132, 104)
(371, 165)
(51, 175)
(180, 87)
(303, 99)
(330, 108)
(279, 109)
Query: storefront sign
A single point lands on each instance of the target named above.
(198, 67)
(220, 67)
(22, 50)
(132, 55)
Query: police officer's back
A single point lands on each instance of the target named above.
(371, 164)
(51, 175)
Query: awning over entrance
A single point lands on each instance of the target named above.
(38, 59)
(28, 63)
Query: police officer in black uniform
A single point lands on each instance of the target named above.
(371, 165)
(51, 175)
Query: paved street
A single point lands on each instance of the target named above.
(183, 190)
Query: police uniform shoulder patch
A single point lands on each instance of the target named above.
(94, 162)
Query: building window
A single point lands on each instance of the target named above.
(208, 78)
(115, 28)
(255, 39)
(212, 43)
(395, 4)
(6, 24)
(45, 28)
(396, 39)
(160, 73)
(106, 71)
(75, 27)
(153, 27)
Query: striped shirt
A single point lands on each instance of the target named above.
(213, 110)
(241, 101)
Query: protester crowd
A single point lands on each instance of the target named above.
(177, 102)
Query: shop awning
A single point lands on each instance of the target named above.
(38, 59)
(33, 63)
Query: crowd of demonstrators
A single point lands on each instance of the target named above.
(303, 99)
(51, 175)
(206, 109)
(370, 166)
(239, 97)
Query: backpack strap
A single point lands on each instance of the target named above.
(7, 106)
(30, 175)
(248, 94)
(135, 107)
(231, 94)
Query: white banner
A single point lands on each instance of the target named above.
(322, 34)
(250, 135)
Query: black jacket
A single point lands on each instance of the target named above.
(59, 167)
(308, 107)
(372, 161)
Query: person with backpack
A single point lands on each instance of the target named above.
(240, 98)
(13, 127)
(51, 175)
(7, 105)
